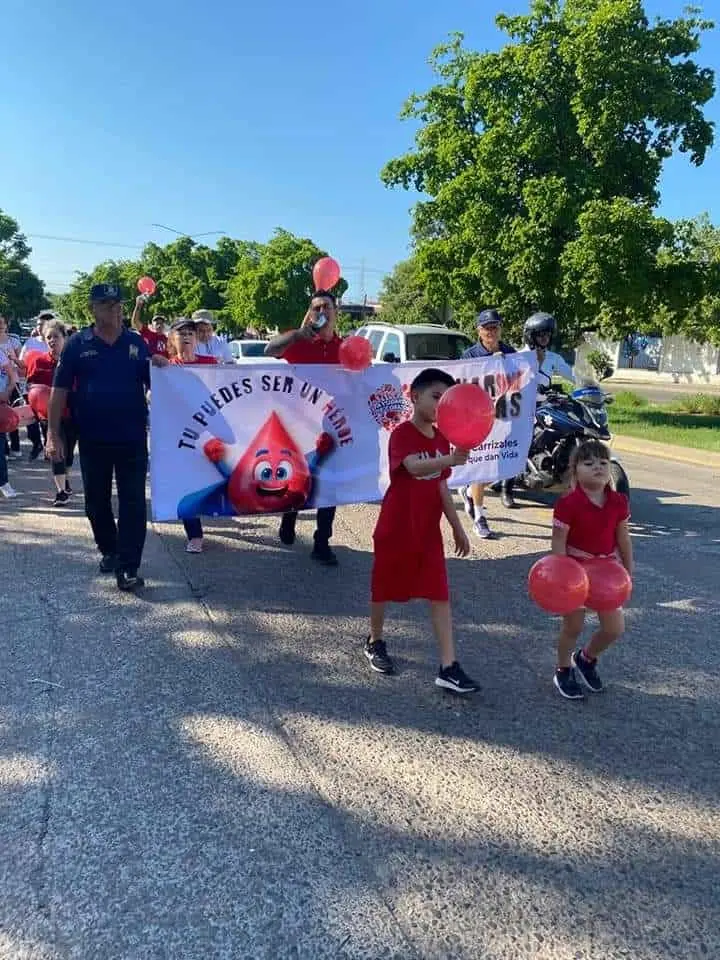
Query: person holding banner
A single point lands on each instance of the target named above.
(409, 555)
(489, 329)
(183, 349)
(315, 341)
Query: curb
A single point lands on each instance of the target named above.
(649, 448)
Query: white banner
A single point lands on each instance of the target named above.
(267, 438)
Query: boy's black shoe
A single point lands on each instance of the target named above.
(61, 498)
(324, 555)
(128, 581)
(35, 453)
(454, 678)
(108, 563)
(587, 671)
(567, 685)
(287, 529)
(377, 657)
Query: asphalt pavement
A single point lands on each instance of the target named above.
(208, 770)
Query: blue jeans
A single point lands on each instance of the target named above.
(3, 462)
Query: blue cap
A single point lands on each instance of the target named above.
(105, 291)
(488, 318)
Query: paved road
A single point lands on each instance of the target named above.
(660, 392)
(208, 771)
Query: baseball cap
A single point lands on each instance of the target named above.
(488, 318)
(203, 316)
(105, 291)
(47, 315)
(182, 323)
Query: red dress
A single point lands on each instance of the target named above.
(409, 560)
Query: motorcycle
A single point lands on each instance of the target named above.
(562, 422)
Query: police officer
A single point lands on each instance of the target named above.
(489, 343)
(107, 367)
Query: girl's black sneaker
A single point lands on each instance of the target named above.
(378, 658)
(587, 671)
(567, 685)
(61, 498)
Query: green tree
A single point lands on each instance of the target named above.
(272, 283)
(540, 163)
(21, 292)
(404, 298)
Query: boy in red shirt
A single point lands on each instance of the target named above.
(588, 522)
(409, 560)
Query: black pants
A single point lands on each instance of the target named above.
(323, 521)
(37, 433)
(193, 528)
(128, 461)
(69, 439)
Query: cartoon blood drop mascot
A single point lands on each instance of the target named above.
(271, 476)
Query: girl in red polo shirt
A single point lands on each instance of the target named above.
(591, 520)
(182, 345)
(409, 561)
(40, 369)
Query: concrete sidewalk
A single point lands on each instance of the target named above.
(208, 770)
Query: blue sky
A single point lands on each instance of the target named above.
(234, 117)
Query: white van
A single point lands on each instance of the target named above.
(428, 341)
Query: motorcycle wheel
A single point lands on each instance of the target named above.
(620, 479)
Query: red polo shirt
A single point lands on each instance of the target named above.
(155, 342)
(314, 351)
(40, 368)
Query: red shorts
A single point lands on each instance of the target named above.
(399, 574)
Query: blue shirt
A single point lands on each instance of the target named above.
(473, 353)
(108, 383)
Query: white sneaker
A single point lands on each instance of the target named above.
(8, 492)
(194, 546)
(481, 527)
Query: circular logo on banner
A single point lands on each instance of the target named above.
(390, 405)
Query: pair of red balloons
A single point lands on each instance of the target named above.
(560, 584)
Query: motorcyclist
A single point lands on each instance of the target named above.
(538, 333)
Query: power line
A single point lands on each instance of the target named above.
(94, 243)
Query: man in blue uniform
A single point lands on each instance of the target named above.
(489, 331)
(107, 368)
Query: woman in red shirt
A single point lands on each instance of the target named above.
(40, 372)
(182, 346)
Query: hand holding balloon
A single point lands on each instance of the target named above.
(459, 457)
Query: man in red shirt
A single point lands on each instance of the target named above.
(154, 334)
(315, 341)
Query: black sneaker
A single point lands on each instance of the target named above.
(567, 685)
(587, 670)
(68, 489)
(108, 563)
(287, 530)
(129, 581)
(324, 555)
(377, 657)
(34, 453)
(454, 678)
(61, 498)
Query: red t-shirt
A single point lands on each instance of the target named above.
(591, 529)
(155, 342)
(314, 351)
(199, 358)
(40, 368)
(412, 507)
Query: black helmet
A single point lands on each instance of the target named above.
(538, 323)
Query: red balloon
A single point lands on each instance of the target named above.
(9, 420)
(38, 398)
(465, 415)
(356, 353)
(326, 273)
(610, 584)
(146, 285)
(558, 584)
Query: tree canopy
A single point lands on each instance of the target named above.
(245, 283)
(540, 163)
(404, 297)
(22, 293)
